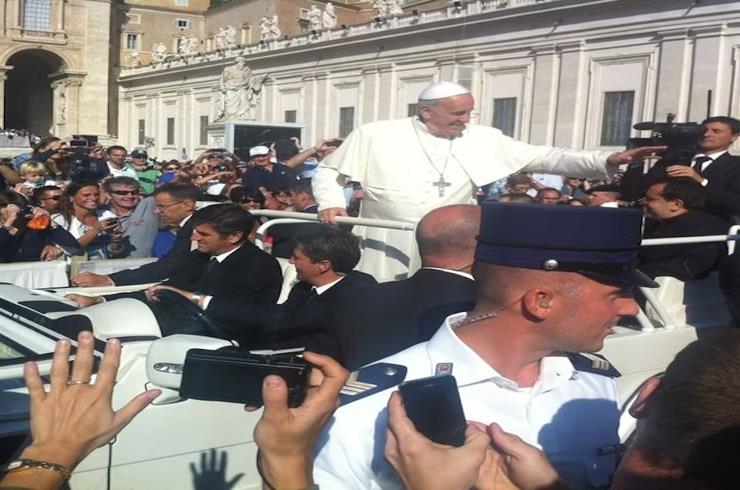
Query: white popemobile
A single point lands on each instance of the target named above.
(184, 443)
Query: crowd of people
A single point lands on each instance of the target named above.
(510, 291)
(100, 201)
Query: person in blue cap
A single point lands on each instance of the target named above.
(551, 281)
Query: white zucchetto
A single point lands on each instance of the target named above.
(441, 90)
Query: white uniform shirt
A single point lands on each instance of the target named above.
(569, 414)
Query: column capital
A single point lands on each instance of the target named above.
(4, 69)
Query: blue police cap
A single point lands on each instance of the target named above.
(598, 242)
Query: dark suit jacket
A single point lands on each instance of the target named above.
(391, 316)
(247, 275)
(722, 191)
(301, 321)
(685, 261)
(162, 268)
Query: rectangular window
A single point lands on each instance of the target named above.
(411, 110)
(291, 116)
(142, 131)
(37, 15)
(346, 121)
(181, 3)
(132, 42)
(182, 23)
(617, 119)
(170, 131)
(203, 140)
(504, 115)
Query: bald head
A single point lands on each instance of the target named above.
(446, 236)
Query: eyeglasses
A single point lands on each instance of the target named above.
(125, 193)
(53, 198)
(165, 206)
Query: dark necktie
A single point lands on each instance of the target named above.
(311, 295)
(212, 263)
(699, 162)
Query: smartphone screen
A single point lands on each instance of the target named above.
(433, 405)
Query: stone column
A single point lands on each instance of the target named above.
(4, 69)
(66, 103)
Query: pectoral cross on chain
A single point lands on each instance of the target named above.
(440, 185)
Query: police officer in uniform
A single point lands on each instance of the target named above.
(552, 282)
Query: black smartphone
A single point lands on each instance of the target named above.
(433, 405)
(235, 375)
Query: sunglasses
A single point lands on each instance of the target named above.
(171, 168)
(125, 193)
(53, 198)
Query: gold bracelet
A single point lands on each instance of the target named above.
(20, 464)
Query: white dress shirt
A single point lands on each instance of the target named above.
(569, 414)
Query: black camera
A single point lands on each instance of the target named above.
(235, 375)
(680, 138)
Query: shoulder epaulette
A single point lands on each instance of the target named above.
(593, 363)
(371, 379)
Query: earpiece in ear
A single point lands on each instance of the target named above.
(545, 303)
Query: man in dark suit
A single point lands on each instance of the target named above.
(386, 318)
(324, 263)
(712, 166)
(225, 266)
(175, 203)
(676, 204)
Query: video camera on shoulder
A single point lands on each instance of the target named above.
(680, 138)
(235, 375)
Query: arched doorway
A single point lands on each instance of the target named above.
(28, 93)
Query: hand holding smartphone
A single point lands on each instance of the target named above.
(433, 405)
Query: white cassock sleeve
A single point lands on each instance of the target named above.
(328, 188)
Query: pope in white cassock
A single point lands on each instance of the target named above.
(408, 167)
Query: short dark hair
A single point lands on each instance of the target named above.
(698, 396)
(548, 189)
(39, 191)
(731, 122)
(115, 147)
(303, 185)
(120, 180)
(516, 179)
(685, 189)
(341, 248)
(43, 142)
(226, 219)
(240, 194)
(185, 192)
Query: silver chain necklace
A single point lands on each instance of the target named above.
(441, 183)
